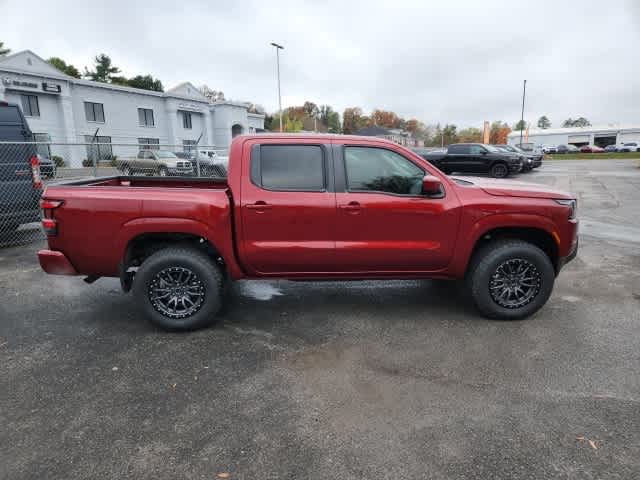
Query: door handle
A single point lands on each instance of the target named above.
(259, 206)
(351, 207)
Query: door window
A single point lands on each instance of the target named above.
(380, 170)
(477, 150)
(289, 167)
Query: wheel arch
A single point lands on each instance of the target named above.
(537, 236)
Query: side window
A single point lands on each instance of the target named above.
(476, 150)
(381, 170)
(289, 167)
(459, 149)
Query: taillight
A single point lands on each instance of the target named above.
(49, 224)
(35, 172)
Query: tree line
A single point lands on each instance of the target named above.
(313, 117)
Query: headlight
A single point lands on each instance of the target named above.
(573, 207)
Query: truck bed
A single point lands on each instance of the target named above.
(99, 217)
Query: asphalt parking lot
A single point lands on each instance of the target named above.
(395, 379)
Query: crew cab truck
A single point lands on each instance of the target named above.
(310, 207)
(476, 158)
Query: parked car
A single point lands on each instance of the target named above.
(155, 162)
(610, 148)
(531, 160)
(567, 149)
(550, 149)
(209, 165)
(530, 148)
(20, 181)
(629, 147)
(476, 158)
(310, 207)
(591, 149)
(48, 167)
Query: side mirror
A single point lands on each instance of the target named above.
(484, 152)
(431, 185)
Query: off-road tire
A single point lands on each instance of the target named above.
(484, 265)
(206, 271)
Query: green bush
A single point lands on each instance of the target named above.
(58, 160)
(114, 160)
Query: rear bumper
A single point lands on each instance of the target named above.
(55, 263)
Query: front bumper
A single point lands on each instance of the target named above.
(574, 252)
(56, 263)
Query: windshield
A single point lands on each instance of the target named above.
(161, 154)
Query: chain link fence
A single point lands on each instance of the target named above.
(26, 168)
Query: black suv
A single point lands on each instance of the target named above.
(20, 183)
(475, 158)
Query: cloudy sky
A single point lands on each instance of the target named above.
(446, 61)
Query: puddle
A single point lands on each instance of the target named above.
(259, 290)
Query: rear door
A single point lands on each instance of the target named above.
(288, 207)
(18, 194)
(457, 158)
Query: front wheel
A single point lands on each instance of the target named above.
(179, 288)
(499, 170)
(510, 279)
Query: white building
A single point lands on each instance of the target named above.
(579, 136)
(60, 108)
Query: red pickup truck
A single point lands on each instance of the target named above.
(310, 207)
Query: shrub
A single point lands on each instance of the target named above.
(87, 163)
(114, 161)
(58, 160)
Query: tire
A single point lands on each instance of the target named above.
(163, 172)
(499, 170)
(485, 287)
(204, 288)
(126, 171)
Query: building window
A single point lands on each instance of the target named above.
(94, 112)
(100, 148)
(42, 149)
(145, 117)
(187, 145)
(149, 143)
(186, 120)
(30, 105)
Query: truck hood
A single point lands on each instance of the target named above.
(514, 188)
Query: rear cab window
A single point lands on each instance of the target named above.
(289, 168)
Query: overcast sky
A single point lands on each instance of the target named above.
(439, 61)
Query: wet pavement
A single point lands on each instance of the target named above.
(396, 379)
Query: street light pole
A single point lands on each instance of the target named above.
(524, 90)
(278, 48)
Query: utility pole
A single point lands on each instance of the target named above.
(524, 91)
(278, 48)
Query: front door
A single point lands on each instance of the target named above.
(288, 209)
(385, 223)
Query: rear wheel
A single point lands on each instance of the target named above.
(499, 170)
(126, 171)
(163, 172)
(510, 279)
(179, 289)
